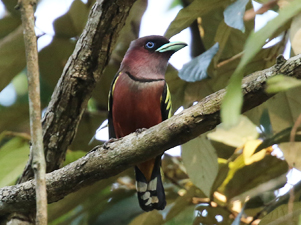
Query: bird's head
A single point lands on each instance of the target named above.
(148, 56)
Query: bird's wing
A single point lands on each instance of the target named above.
(166, 103)
(110, 104)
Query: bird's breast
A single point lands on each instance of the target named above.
(136, 105)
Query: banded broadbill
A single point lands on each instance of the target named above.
(139, 98)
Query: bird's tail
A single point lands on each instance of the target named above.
(149, 185)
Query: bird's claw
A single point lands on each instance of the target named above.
(111, 140)
(140, 130)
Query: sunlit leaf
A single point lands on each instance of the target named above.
(232, 103)
(196, 69)
(292, 153)
(13, 158)
(234, 14)
(281, 83)
(295, 34)
(200, 160)
(237, 135)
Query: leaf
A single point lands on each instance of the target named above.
(180, 203)
(222, 174)
(150, 218)
(237, 135)
(71, 156)
(281, 215)
(8, 24)
(13, 158)
(200, 160)
(185, 217)
(265, 124)
(295, 34)
(232, 103)
(12, 56)
(249, 149)
(196, 69)
(242, 178)
(292, 153)
(187, 15)
(72, 23)
(234, 14)
(53, 58)
(280, 82)
(206, 214)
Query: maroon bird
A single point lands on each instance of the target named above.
(139, 98)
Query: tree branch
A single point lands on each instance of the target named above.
(112, 158)
(38, 162)
(83, 69)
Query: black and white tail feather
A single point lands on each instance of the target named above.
(151, 194)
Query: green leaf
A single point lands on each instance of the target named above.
(232, 103)
(200, 160)
(8, 24)
(180, 203)
(12, 56)
(206, 214)
(13, 158)
(280, 82)
(190, 13)
(73, 22)
(237, 135)
(234, 14)
(150, 218)
(292, 153)
(196, 69)
(53, 58)
(244, 178)
(265, 124)
(184, 217)
(281, 215)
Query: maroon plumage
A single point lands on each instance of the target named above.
(138, 99)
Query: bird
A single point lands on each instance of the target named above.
(139, 98)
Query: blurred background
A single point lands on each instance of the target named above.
(197, 193)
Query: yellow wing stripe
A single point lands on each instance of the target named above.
(168, 101)
(112, 91)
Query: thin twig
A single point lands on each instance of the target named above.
(230, 60)
(38, 163)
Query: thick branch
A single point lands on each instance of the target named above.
(38, 162)
(81, 72)
(111, 159)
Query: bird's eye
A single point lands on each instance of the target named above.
(149, 45)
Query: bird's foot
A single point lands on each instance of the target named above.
(140, 130)
(111, 140)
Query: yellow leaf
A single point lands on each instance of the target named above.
(249, 149)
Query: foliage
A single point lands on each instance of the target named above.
(230, 178)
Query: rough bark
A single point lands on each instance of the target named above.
(81, 72)
(112, 158)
